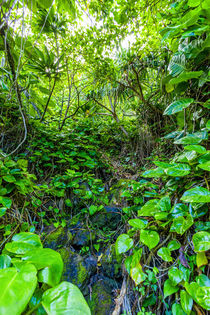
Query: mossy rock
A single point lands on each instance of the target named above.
(110, 217)
(58, 238)
(101, 302)
(77, 269)
(111, 263)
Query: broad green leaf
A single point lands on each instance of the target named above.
(204, 158)
(185, 76)
(205, 166)
(5, 261)
(123, 244)
(181, 224)
(178, 170)
(19, 248)
(165, 204)
(208, 124)
(196, 148)
(186, 302)
(203, 297)
(165, 254)
(149, 238)
(49, 261)
(6, 202)
(175, 275)
(197, 194)
(3, 210)
(9, 178)
(149, 208)
(23, 243)
(178, 106)
(65, 298)
(201, 259)
(156, 172)
(193, 3)
(169, 289)
(29, 238)
(189, 139)
(177, 309)
(138, 223)
(179, 210)
(173, 245)
(137, 274)
(203, 280)
(201, 241)
(16, 289)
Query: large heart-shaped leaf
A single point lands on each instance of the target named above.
(181, 224)
(201, 241)
(149, 238)
(149, 208)
(197, 194)
(49, 261)
(178, 170)
(186, 302)
(178, 106)
(16, 289)
(65, 298)
(169, 288)
(23, 243)
(123, 244)
(165, 254)
(175, 275)
(138, 223)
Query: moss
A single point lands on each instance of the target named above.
(58, 238)
(82, 273)
(101, 301)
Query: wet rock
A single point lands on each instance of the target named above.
(111, 263)
(58, 238)
(109, 217)
(77, 269)
(83, 237)
(101, 301)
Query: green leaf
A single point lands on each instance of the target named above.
(185, 76)
(6, 202)
(149, 238)
(186, 302)
(173, 245)
(138, 223)
(196, 148)
(17, 288)
(3, 210)
(193, 3)
(177, 309)
(137, 274)
(165, 204)
(205, 166)
(23, 243)
(49, 261)
(65, 298)
(197, 194)
(169, 289)
(201, 241)
(5, 261)
(180, 225)
(175, 275)
(149, 208)
(201, 295)
(165, 254)
(189, 139)
(178, 170)
(178, 106)
(201, 259)
(123, 244)
(9, 178)
(156, 172)
(93, 209)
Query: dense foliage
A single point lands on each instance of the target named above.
(105, 104)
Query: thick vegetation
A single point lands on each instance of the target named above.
(104, 157)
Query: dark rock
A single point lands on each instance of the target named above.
(109, 217)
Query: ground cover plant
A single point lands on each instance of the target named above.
(104, 157)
